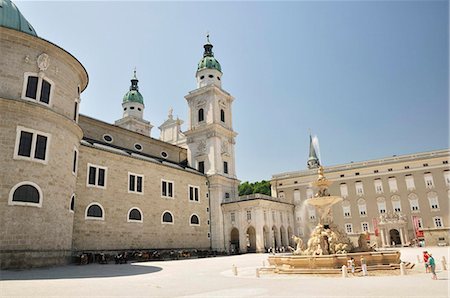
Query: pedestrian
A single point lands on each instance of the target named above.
(425, 261)
(351, 265)
(432, 266)
(363, 266)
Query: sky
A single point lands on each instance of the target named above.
(369, 78)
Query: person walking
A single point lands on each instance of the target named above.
(432, 266)
(363, 266)
(425, 261)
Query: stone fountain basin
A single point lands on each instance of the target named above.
(333, 263)
(323, 201)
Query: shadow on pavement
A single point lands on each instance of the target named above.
(79, 271)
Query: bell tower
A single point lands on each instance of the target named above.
(133, 110)
(211, 139)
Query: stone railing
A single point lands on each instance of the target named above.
(255, 196)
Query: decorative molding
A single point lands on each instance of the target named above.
(43, 61)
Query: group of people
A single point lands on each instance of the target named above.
(430, 264)
(351, 265)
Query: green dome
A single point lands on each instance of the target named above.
(209, 62)
(133, 96)
(10, 17)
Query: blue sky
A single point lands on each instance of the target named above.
(370, 78)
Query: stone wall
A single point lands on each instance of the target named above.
(115, 232)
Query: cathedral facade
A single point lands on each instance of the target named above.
(71, 183)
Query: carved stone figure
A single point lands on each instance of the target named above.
(298, 245)
(43, 61)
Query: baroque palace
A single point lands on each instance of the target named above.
(71, 183)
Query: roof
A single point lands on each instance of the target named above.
(10, 17)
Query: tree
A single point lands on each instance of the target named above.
(262, 187)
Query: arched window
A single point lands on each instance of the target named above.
(167, 218)
(95, 211)
(201, 115)
(72, 203)
(134, 214)
(194, 220)
(222, 115)
(26, 194)
(433, 200)
(381, 202)
(346, 209)
(413, 202)
(362, 207)
(396, 205)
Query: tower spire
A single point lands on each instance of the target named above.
(313, 161)
(208, 47)
(134, 81)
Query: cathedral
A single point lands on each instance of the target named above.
(71, 183)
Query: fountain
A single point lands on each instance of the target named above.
(329, 247)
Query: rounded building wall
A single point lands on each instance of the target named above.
(37, 146)
(24, 55)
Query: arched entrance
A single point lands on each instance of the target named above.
(251, 239)
(394, 236)
(266, 236)
(234, 242)
(274, 237)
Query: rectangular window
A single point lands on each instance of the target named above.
(419, 223)
(201, 167)
(193, 193)
(249, 215)
(409, 179)
(135, 183)
(365, 226)
(31, 145)
(32, 84)
(75, 161)
(25, 143)
(297, 196)
(359, 188)
(393, 184)
(438, 222)
(428, 177)
(447, 178)
(378, 186)
(233, 217)
(41, 147)
(96, 176)
(349, 228)
(344, 190)
(37, 88)
(166, 189)
(45, 92)
(75, 112)
(225, 167)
